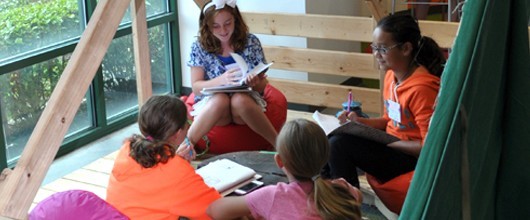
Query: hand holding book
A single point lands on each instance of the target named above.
(239, 77)
(246, 72)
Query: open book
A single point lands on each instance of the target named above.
(245, 71)
(226, 176)
(331, 125)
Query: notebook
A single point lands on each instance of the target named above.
(331, 125)
(226, 175)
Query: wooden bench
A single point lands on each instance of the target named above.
(330, 62)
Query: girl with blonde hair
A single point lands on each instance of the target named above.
(303, 149)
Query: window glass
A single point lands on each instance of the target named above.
(119, 75)
(152, 7)
(28, 25)
(23, 97)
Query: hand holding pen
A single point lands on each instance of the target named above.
(348, 115)
(186, 150)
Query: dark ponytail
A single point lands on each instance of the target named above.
(431, 56)
(426, 52)
(149, 153)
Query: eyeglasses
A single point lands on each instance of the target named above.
(383, 50)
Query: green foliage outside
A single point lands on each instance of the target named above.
(25, 25)
(30, 24)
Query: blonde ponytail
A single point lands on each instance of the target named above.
(304, 149)
(334, 201)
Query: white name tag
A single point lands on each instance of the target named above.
(394, 111)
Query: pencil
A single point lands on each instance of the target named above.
(350, 97)
(189, 146)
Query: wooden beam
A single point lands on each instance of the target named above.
(327, 95)
(349, 28)
(141, 51)
(378, 10)
(322, 61)
(443, 32)
(201, 3)
(20, 187)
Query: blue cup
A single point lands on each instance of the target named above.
(355, 107)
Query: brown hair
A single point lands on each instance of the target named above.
(209, 42)
(159, 118)
(304, 149)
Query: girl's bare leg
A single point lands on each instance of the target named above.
(245, 110)
(215, 112)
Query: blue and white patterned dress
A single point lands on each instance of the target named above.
(214, 67)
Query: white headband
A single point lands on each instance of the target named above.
(219, 4)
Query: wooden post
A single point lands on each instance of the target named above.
(20, 187)
(377, 9)
(141, 51)
(201, 3)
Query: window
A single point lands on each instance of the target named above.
(30, 25)
(24, 94)
(37, 38)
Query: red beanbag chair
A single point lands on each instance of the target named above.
(393, 192)
(231, 138)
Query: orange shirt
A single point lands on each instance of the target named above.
(165, 191)
(416, 96)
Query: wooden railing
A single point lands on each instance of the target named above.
(330, 62)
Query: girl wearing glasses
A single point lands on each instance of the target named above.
(413, 65)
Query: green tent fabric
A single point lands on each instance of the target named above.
(476, 159)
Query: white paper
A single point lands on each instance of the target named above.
(330, 124)
(327, 122)
(244, 67)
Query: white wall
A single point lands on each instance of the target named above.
(189, 24)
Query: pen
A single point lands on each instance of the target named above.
(189, 146)
(267, 152)
(350, 97)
